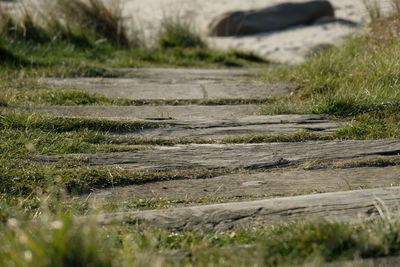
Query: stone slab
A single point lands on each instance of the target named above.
(246, 126)
(180, 113)
(265, 184)
(212, 122)
(233, 156)
(142, 89)
(181, 75)
(349, 206)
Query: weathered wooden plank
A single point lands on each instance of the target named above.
(190, 112)
(350, 206)
(249, 156)
(213, 122)
(265, 184)
(169, 74)
(248, 126)
(140, 89)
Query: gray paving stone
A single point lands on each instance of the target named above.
(210, 122)
(266, 184)
(231, 156)
(143, 89)
(349, 206)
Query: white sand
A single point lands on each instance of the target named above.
(289, 46)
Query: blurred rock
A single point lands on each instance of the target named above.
(269, 19)
(330, 19)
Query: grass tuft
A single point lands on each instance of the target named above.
(358, 80)
(7, 57)
(79, 22)
(96, 18)
(3, 101)
(178, 33)
(58, 242)
(24, 177)
(22, 121)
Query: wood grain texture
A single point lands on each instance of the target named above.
(350, 206)
(232, 156)
(214, 122)
(274, 183)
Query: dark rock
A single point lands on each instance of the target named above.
(269, 19)
(325, 20)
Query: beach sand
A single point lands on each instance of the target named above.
(289, 46)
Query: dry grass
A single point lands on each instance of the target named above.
(80, 21)
(383, 27)
(6, 21)
(178, 32)
(361, 76)
(104, 22)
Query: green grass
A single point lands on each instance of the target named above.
(22, 177)
(175, 32)
(10, 120)
(24, 143)
(357, 80)
(10, 58)
(25, 96)
(358, 77)
(86, 38)
(373, 125)
(64, 59)
(23, 135)
(59, 97)
(374, 162)
(300, 136)
(160, 203)
(58, 241)
(3, 101)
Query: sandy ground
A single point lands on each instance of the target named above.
(289, 46)
(293, 45)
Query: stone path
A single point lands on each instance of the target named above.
(159, 74)
(349, 206)
(180, 113)
(265, 170)
(239, 156)
(156, 84)
(194, 121)
(264, 184)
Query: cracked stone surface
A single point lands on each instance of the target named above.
(350, 206)
(194, 121)
(245, 126)
(171, 113)
(185, 75)
(248, 156)
(143, 89)
(265, 184)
